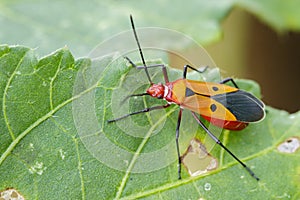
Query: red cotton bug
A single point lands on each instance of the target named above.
(222, 105)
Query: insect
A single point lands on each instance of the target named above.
(222, 105)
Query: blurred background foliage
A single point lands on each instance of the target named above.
(255, 39)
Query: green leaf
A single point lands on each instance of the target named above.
(55, 140)
(281, 15)
(50, 25)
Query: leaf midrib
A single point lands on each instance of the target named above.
(192, 179)
(178, 183)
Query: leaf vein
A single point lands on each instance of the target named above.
(137, 153)
(80, 168)
(7, 86)
(37, 122)
(51, 83)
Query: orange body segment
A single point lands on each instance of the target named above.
(204, 99)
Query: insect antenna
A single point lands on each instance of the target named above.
(140, 50)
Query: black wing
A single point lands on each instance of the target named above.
(244, 106)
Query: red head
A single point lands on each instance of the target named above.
(156, 90)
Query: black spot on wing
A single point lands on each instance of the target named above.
(244, 106)
(215, 88)
(189, 92)
(213, 107)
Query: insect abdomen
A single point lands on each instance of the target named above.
(229, 125)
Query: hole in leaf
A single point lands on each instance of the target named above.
(10, 193)
(197, 160)
(290, 145)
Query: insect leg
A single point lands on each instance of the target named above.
(203, 70)
(229, 80)
(177, 143)
(138, 112)
(219, 143)
(197, 70)
(163, 67)
(132, 63)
